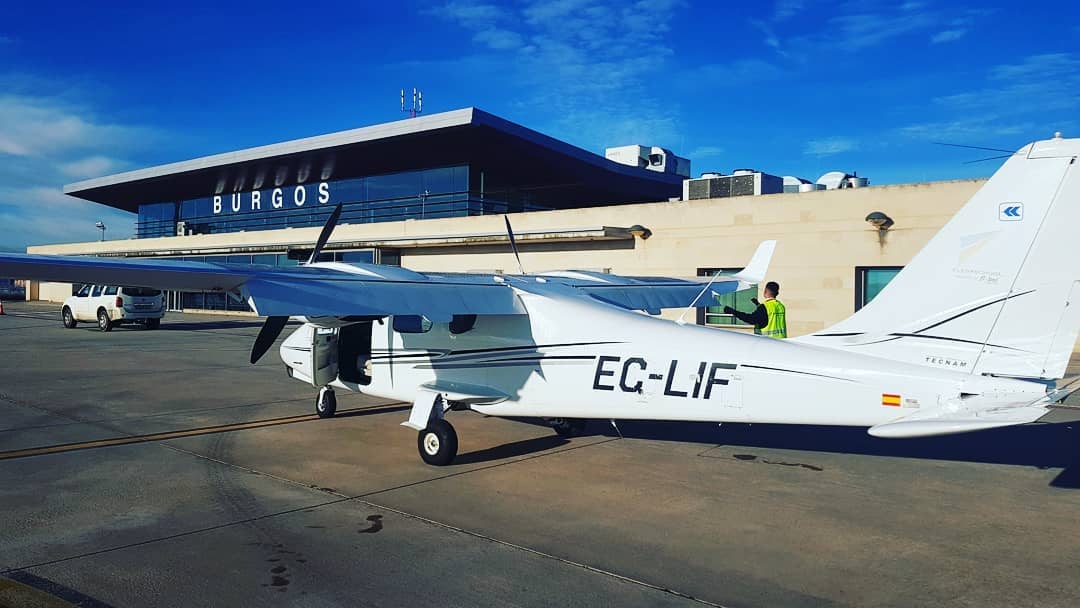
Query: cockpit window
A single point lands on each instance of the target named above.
(411, 324)
(462, 323)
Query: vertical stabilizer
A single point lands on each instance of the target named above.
(997, 290)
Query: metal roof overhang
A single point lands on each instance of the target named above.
(518, 156)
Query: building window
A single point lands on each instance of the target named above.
(870, 280)
(739, 300)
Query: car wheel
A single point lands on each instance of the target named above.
(69, 319)
(153, 323)
(104, 323)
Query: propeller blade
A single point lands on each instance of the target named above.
(325, 234)
(269, 332)
(513, 244)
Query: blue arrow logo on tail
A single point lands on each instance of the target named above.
(1010, 212)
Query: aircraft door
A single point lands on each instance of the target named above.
(324, 356)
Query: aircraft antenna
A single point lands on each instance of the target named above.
(513, 244)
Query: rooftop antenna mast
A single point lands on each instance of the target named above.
(417, 102)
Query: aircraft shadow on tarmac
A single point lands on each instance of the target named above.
(1045, 446)
(512, 450)
(205, 325)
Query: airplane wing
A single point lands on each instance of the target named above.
(975, 413)
(339, 289)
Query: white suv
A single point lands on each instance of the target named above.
(112, 305)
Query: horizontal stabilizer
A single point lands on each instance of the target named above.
(974, 413)
(950, 425)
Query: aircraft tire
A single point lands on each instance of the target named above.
(104, 323)
(569, 427)
(68, 318)
(326, 404)
(438, 443)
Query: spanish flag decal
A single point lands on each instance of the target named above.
(892, 400)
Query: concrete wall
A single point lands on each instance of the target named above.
(822, 238)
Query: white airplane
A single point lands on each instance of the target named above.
(971, 335)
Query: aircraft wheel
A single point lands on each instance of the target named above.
(104, 323)
(438, 443)
(569, 427)
(326, 403)
(69, 319)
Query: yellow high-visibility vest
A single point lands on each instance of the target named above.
(777, 326)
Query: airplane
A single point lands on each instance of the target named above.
(973, 334)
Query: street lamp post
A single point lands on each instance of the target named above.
(101, 226)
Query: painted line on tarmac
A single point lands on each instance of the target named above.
(152, 437)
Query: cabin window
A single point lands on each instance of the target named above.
(411, 324)
(870, 280)
(110, 290)
(739, 300)
(462, 323)
(84, 291)
(96, 292)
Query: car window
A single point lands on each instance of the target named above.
(110, 290)
(462, 323)
(96, 292)
(85, 291)
(411, 324)
(140, 292)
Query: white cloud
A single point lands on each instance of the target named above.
(948, 35)
(785, 9)
(703, 152)
(587, 66)
(829, 146)
(92, 166)
(499, 39)
(46, 142)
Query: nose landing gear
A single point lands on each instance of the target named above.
(326, 403)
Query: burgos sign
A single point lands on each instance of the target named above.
(273, 199)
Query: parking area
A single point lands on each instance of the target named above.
(143, 467)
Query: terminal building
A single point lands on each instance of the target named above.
(429, 193)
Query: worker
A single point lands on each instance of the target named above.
(769, 318)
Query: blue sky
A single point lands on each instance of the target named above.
(789, 87)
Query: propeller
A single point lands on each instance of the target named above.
(269, 332)
(325, 234)
(272, 327)
(513, 243)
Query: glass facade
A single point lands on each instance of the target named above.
(870, 280)
(739, 300)
(426, 193)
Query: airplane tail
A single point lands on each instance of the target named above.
(997, 290)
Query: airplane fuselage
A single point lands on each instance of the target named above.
(572, 359)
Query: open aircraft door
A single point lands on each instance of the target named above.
(324, 356)
(311, 353)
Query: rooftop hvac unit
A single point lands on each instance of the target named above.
(744, 184)
(838, 180)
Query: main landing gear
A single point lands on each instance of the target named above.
(568, 427)
(326, 403)
(438, 442)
